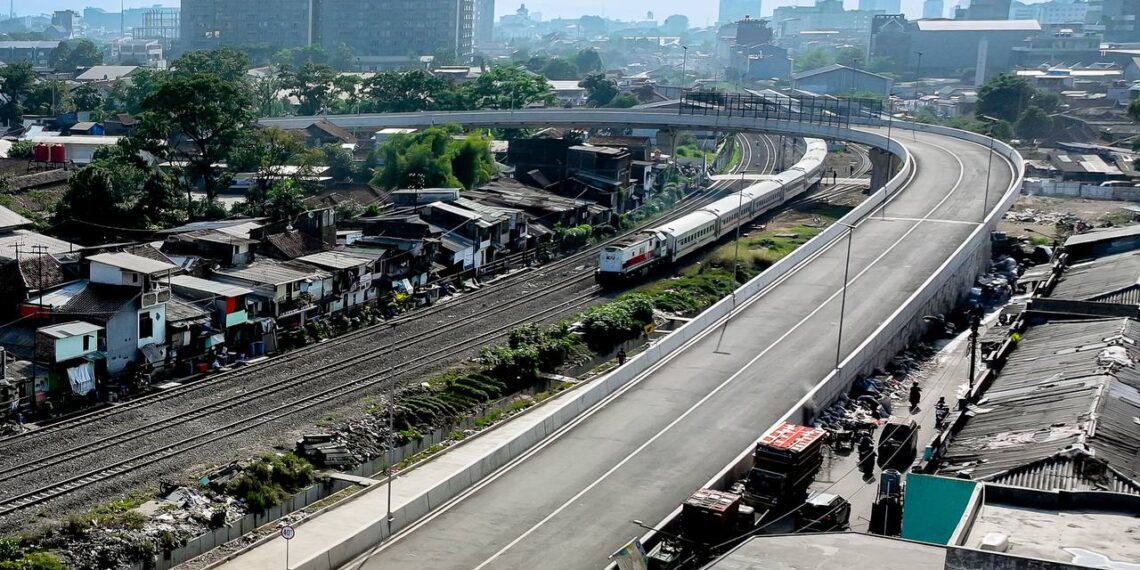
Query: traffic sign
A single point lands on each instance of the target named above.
(287, 532)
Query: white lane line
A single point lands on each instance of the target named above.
(729, 380)
(929, 220)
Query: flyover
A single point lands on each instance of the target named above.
(669, 429)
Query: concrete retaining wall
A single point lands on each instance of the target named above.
(1040, 187)
(587, 396)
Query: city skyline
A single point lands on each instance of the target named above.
(699, 15)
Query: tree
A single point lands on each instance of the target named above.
(1134, 109)
(313, 86)
(472, 162)
(265, 92)
(284, 201)
(850, 56)
(1034, 124)
(415, 90)
(86, 97)
(812, 58)
(599, 90)
(433, 158)
(1047, 101)
(560, 69)
(588, 61)
(22, 149)
(267, 152)
(344, 58)
(227, 64)
(196, 119)
(508, 87)
(76, 53)
(623, 102)
(1004, 97)
(16, 82)
(128, 96)
(645, 92)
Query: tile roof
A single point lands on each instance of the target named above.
(1068, 386)
(333, 131)
(99, 302)
(294, 244)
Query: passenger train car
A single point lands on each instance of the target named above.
(635, 255)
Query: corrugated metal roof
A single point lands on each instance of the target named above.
(68, 330)
(1068, 471)
(337, 259)
(184, 312)
(26, 240)
(132, 262)
(1103, 235)
(1109, 279)
(1068, 385)
(273, 273)
(192, 283)
(10, 219)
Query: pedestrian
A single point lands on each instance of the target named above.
(867, 457)
(621, 356)
(915, 395)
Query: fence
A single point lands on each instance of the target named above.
(1040, 187)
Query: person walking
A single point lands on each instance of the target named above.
(915, 396)
(621, 356)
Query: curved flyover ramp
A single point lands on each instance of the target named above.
(567, 502)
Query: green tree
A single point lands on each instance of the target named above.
(86, 97)
(415, 90)
(812, 58)
(284, 201)
(128, 96)
(1004, 97)
(1134, 109)
(76, 53)
(21, 149)
(195, 119)
(343, 58)
(508, 87)
(472, 162)
(104, 194)
(1047, 101)
(434, 158)
(560, 69)
(227, 64)
(312, 84)
(850, 56)
(16, 82)
(588, 61)
(599, 90)
(623, 102)
(1034, 124)
(267, 152)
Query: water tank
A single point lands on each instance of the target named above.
(890, 483)
(58, 153)
(40, 153)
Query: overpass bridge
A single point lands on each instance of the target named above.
(557, 487)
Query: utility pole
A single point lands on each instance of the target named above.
(975, 324)
(391, 428)
(39, 251)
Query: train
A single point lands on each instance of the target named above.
(634, 256)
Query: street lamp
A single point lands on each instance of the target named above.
(989, 160)
(684, 67)
(391, 428)
(917, 75)
(843, 302)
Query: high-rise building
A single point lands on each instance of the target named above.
(885, 6)
(1118, 20)
(1050, 13)
(484, 21)
(382, 33)
(987, 10)
(933, 9)
(736, 10)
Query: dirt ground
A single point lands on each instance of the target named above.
(1042, 214)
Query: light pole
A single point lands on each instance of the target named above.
(391, 428)
(684, 67)
(917, 75)
(843, 302)
(989, 161)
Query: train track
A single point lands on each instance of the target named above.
(81, 455)
(313, 352)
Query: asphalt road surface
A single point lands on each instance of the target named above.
(570, 503)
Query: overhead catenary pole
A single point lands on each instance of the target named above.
(843, 301)
(391, 429)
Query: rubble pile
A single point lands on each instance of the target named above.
(872, 398)
(1033, 216)
(181, 515)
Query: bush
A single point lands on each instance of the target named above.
(22, 149)
(270, 480)
(611, 324)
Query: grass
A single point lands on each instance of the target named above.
(737, 156)
(119, 513)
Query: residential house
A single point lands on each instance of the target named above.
(466, 234)
(71, 358)
(107, 73)
(600, 174)
(411, 243)
(838, 79)
(324, 132)
(355, 276)
(129, 51)
(223, 248)
(226, 306)
(286, 291)
(191, 341)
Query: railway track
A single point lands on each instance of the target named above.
(79, 458)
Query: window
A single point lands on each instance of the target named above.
(86, 342)
(146, 325)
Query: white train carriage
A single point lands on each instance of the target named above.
(632, 255)
(688, 233)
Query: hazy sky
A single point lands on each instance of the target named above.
(700, 12)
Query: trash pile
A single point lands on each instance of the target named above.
(121, 541)
(872, 399)
(1033, 216)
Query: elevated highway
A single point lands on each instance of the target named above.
(567, 502)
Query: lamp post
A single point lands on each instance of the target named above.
(684, 67)
(975, 324)
(917, 75)
(843, 302)
(391, 429)
(989, 161)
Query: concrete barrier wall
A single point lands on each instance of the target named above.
(367, 537)
(942, 290)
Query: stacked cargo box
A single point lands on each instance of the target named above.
(785, 462)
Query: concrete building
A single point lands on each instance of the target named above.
(951, 47)
(159, 24)
(1052, 12)
(383, 34)
(484, 21)
(838, 79)
(887, 6)
(1118, 20)
(986, 10)
(37, 53)
(1059, 43)
(824, 15)
(933, 9)
(735, 10)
